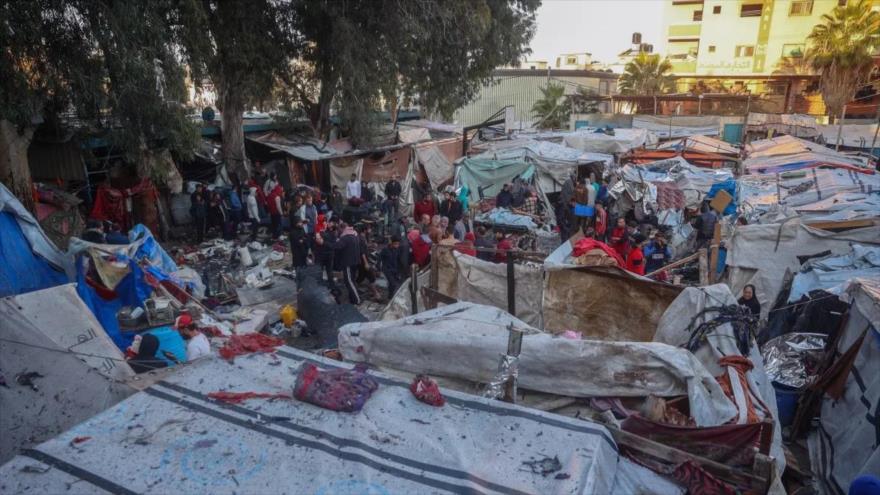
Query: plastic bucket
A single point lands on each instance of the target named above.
(786, 402)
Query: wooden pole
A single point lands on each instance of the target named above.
(713, 257)
(414, 287)
(677, 264)
(704, 263)
(514, 347)
(511, 285)
(840, 128)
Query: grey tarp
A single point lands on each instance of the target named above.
(678, 126)
(760, 254)
(720, 342)
(467, 278)
(437, 166)
(491, 175)
(51, 332)
(846, 444)
(623, 140)
(465, 341)
(171, 438)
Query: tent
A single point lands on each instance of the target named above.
(596, 141)
(79, 370)
(701, 143)
(787, 153)
(29, 260)
(668, 127)
(845, 445)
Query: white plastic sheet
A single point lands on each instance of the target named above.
(623, 140)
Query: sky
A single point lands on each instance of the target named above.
(601, 27)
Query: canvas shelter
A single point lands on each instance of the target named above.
(670, 127)
(597, 141)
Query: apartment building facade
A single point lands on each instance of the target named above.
(740, 37)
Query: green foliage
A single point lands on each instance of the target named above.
(646, 75)
(840, 50)
(553, 109)
(116, 66)
(437, 53)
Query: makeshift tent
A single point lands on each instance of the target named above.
(754, 395)
(761, 254)
(666, 127)
(597, 141)
(787, 153)
(466, 340)
(29, 260)
(845, 445)
(700, 143)
(489, 175)
(396, 444)
(50, 336)
(858, 136)
(832, 273)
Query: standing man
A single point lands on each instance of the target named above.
(635, 258)
(199, 212)
(424, 206)
(657, 255)
(353, 190)
(275, 208)
(393, 190)
(601, 226)
(253, 209)
(348, 247)
(451, 208)
(389, 262)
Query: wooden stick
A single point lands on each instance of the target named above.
(683, 261)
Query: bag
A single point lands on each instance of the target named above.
(337, 390)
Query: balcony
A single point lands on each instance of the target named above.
(684, 31)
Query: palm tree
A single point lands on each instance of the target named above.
(553, 109)
(646, 75)
(840, 50)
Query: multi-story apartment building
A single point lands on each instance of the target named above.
(739, 37)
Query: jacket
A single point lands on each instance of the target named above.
(393, 189)
(348, 249)
(389, 260)
(655, 256)
(450, 210)
(424, 207)
(635, 261)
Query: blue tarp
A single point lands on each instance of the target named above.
(730, 186)
(151, 249)
(171, 341)
(131, 291)
(20, 269)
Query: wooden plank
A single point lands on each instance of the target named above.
(713, 257)
(720, 201)
(432, 297)
(683, 261)
(844, 224)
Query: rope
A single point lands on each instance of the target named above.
(744, 325)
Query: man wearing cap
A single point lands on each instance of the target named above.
(197, 344)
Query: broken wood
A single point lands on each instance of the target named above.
(844, 224)
(683, 261)
(433, 297)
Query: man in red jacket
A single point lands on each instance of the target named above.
(503, 246)
(635, 259)
(424, 206)
(618, 238)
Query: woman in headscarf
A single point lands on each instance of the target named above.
(749, 300)
(146, 359)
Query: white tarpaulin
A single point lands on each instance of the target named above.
(718, 343)
(851, 135)
(173, 438)
(623, 140)
(79, 370)
(760, 254)
(341, 170)
(437, 167)
(700, 143)
(678, 126)
(831, 273)
(465, 341)
(787, 153)
(846, 443)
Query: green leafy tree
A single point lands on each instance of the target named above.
(246, 48)
(840, 50)
(116, 66)
(438, 54)
(553, 109)
(646, 75)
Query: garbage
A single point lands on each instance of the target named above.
(544, 466)
(249, 343)
(337, 390)
(26, 379)
(288, 315)
(426, 390)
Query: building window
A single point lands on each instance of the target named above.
(716, 9)
(698, 15)
(751, 10)
(744, 51)
(801, 7)
(571, 60)
(711, 48)
(793, 51)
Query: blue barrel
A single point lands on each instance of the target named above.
(786, 402)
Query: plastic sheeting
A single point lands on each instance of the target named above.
(466, 340)
(21, 269)
(150, 249)
(787, 153)
(700, 143)
(831, 273)
(623, 140)
(851, 135)
(503, 216)
(42, 333)
(396, 444)
(678, 126)
(719, 343)
(760, 254)
(845, 445)
(467, 278)
(437, 167)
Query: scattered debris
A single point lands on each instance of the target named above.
(426, 390)
(240, 397)
(249, 343)
(26, 379)
(545, 466)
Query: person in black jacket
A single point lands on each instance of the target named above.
(451, 208)
(146, 359)
(393, 190)
(299, 246)
(349, 251)
(324, 253)
(389, 261)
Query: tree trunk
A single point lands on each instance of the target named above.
(233, 134)
(15, 171)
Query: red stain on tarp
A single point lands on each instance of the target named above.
(239, 397)
(249, 343)
(79, 440)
